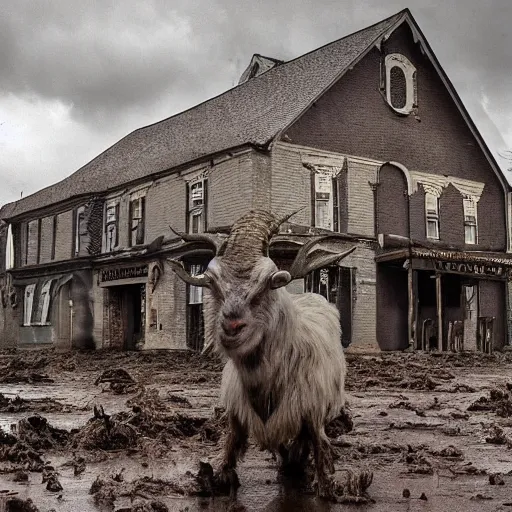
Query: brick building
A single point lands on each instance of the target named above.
(367, 134)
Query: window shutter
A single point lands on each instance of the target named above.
(335, 205)
(143, 219)
(205, 205)
(130, 224)
(187, 208)
(117, 224)
(313, 199)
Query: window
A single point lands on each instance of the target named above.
(80, 228)
(54, 236)
(112, 227)
(325, 201)
(137, 220)
(42, 309)
(432, 215)
(28, 303)
(400, 83)
(195, 292)
(470, 227)
(197, 206)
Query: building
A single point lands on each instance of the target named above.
(366, 133)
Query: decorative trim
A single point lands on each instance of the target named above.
(468, 189)
(400, 61)
(196, 176)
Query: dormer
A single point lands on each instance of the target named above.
(258, 65)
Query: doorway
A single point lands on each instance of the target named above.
(336, 285)
(127, 304)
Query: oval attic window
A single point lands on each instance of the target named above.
(400, 83)
(398, 86)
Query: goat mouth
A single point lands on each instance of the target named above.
(230, 342)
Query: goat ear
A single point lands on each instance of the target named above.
(309, 259)
(279, 279)
(179, 269)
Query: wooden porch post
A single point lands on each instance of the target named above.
(439, 313)
(410, 319)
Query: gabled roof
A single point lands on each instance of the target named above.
(252, 113)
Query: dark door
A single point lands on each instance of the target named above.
(335, 284)
(195, 319)
(133, 315)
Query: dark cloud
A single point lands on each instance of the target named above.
(116, 66)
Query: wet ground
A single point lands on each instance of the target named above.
(126, 431)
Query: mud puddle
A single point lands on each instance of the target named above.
(435, 430)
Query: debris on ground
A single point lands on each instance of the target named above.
(16, 504)
(106, 489)
(498, 402)
(18, 404)
(51, 480)
(351, 486)
(142, 505)
(36, 432)
(104, 432)
(179, 400)
(496, 479)
(340, 425)
(121, 382)
(497, 436)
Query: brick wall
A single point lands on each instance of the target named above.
(417, 214)
(229, 190)
(361, 214)
(451, 217)
(353, 118)
(98, 296)
(392, 203)
(64, 236)
(33, 241)
(165, 205)
(261, 181)
(169, 301)
(46, 239)
(291, 184)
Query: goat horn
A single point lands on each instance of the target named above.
(321, 257)
(179, 269)
(199, 237)
(286, 217)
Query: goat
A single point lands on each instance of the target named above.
(284, 378)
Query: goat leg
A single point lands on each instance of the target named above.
(234, 448)
(323, 464)
(295, 456)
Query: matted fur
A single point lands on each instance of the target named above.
(302, 365)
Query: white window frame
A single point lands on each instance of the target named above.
(470, 219)
(135, 221)
(324, 200)
(45, 297)
(28, 302)
(432, 215)
(195, 294)
(398, 60)
(196, 205)
(80, 211)
(108, 224)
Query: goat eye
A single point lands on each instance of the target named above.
(255, 300)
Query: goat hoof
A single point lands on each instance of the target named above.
(325, 489)
(226, 481)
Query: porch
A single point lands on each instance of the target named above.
(442, 300)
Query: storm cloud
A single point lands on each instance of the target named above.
(78, 76)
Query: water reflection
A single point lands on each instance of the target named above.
(297, 503)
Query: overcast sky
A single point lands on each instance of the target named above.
(77, 76)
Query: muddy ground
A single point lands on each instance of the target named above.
(126, 431)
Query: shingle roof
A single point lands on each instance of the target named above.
(251, 113)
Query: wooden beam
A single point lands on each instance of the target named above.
(410, 317)
(439, 313)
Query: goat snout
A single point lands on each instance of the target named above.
(232, 327)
